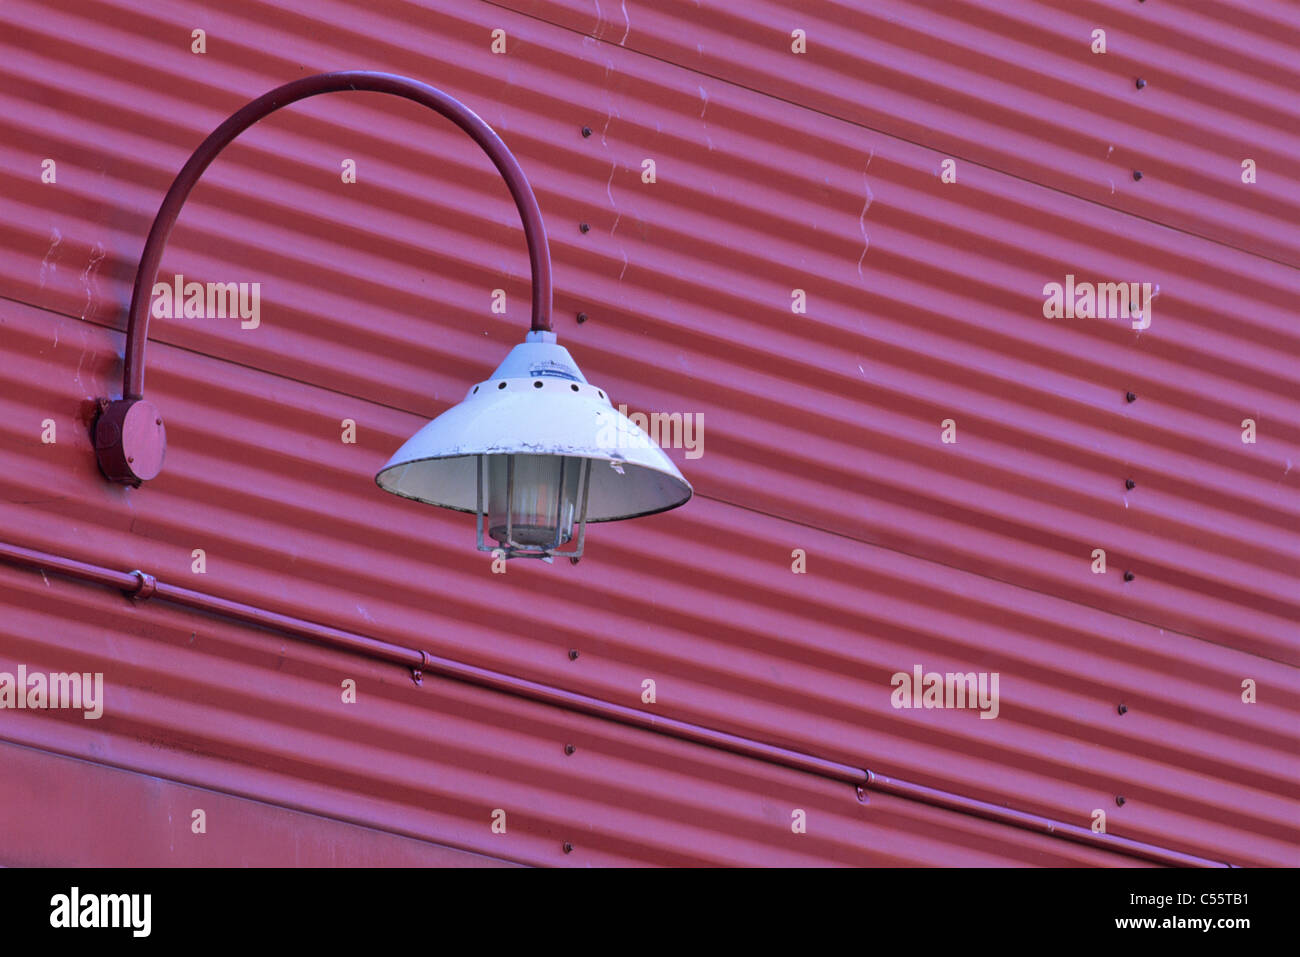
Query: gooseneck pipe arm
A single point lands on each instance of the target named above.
(534, 231)
(118, 426)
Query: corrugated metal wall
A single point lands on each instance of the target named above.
(775, 171)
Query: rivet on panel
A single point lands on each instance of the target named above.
(862, 795)
(1119, 799)
(573, 654)
(569, 749)
(1137, 174)
(582, 317)
(1122, 709)
(568, 848)
(1129, 576)
(586, 131)
(1130, 396)
(1130, 484)
(1141, 83)
(584, 227)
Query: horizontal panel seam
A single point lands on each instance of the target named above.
(254, 798)
(1265, 257)
(713, 498)
(137, 583)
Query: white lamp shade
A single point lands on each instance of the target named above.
(537, 403)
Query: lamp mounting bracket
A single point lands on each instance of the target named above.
(129, 437)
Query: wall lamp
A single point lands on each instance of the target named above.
(535, 451)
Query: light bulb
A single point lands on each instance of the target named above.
(532, 499)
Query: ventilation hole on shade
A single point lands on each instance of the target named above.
(537, 384)
(602, 395)
(475, 392)
(501, 385)
(574, 387)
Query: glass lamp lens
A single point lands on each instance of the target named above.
(537, 494)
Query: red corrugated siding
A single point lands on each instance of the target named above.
(58, 810)
(775, 172)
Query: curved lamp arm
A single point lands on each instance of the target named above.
(129, 437)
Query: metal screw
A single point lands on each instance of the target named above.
(584, 227)
(1123, 709)
(1131, 396)
(1141, 83)
(569, 749)
(1137, 174)
(573, 654)
(1119, 799)
(586, 131)
(1130, 484)
(582, 317)
(862, 795)
(130, 458)
(1129, 576)
(568, 848)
